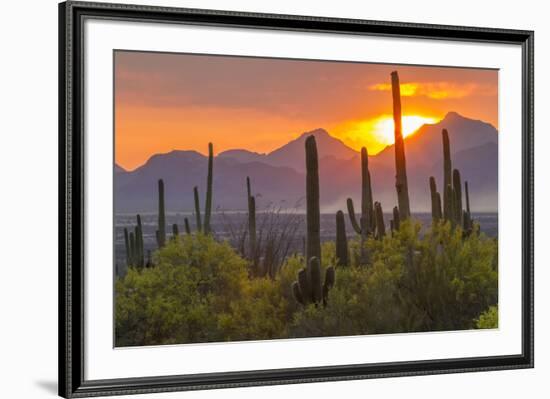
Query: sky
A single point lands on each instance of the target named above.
(168, 101)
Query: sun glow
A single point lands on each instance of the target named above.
(383, 128)
(378, 132)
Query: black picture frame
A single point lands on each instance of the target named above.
(71, 196)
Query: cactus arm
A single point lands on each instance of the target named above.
(304, 285)
(352, 219)
(396, 218)
(436, 200)
(297, 293)
(315, 275)
(438, 206)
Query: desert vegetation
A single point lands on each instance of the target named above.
(196, 287)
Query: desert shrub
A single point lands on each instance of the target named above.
(440, 281)
(488, 319)
(195, 279)
(200, 290)
(260, 313)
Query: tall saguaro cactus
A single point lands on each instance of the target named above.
(161, 236)
(197, 208)
(313, 212)
(447, 182)
(401, 184)
(208, 202)
(342, 254)
(251, 221)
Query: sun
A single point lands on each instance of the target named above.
(377, 133)
(383, 127)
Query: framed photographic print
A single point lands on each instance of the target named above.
(251, 199)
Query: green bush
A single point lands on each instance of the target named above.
(488, 319)
(195, 279)
(440, 281)
(200, 291)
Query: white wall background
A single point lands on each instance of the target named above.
(28, 199)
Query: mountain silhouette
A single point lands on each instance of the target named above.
(292, 153)
(278, 177)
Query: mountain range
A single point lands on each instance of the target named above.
(278, 177)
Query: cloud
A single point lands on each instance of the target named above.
(437, 90)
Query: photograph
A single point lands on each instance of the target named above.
(263, 198)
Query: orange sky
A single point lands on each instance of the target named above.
(179, 101)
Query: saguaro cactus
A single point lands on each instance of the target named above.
(139, 242)
(467, 196)
(313, 290)
(379, 216)
(208, 202)
(467, 216)
(447, 182)
(197, 208)
(132, 241)
(161, 238)
(187, 227)
(436, 200)
(448, 210)
(127, 246)
(396, 218)
(251, 220)
(367, 210)
(401, 184)
(313, 213)
(175, 231)
(457, 200)
(342, 254)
